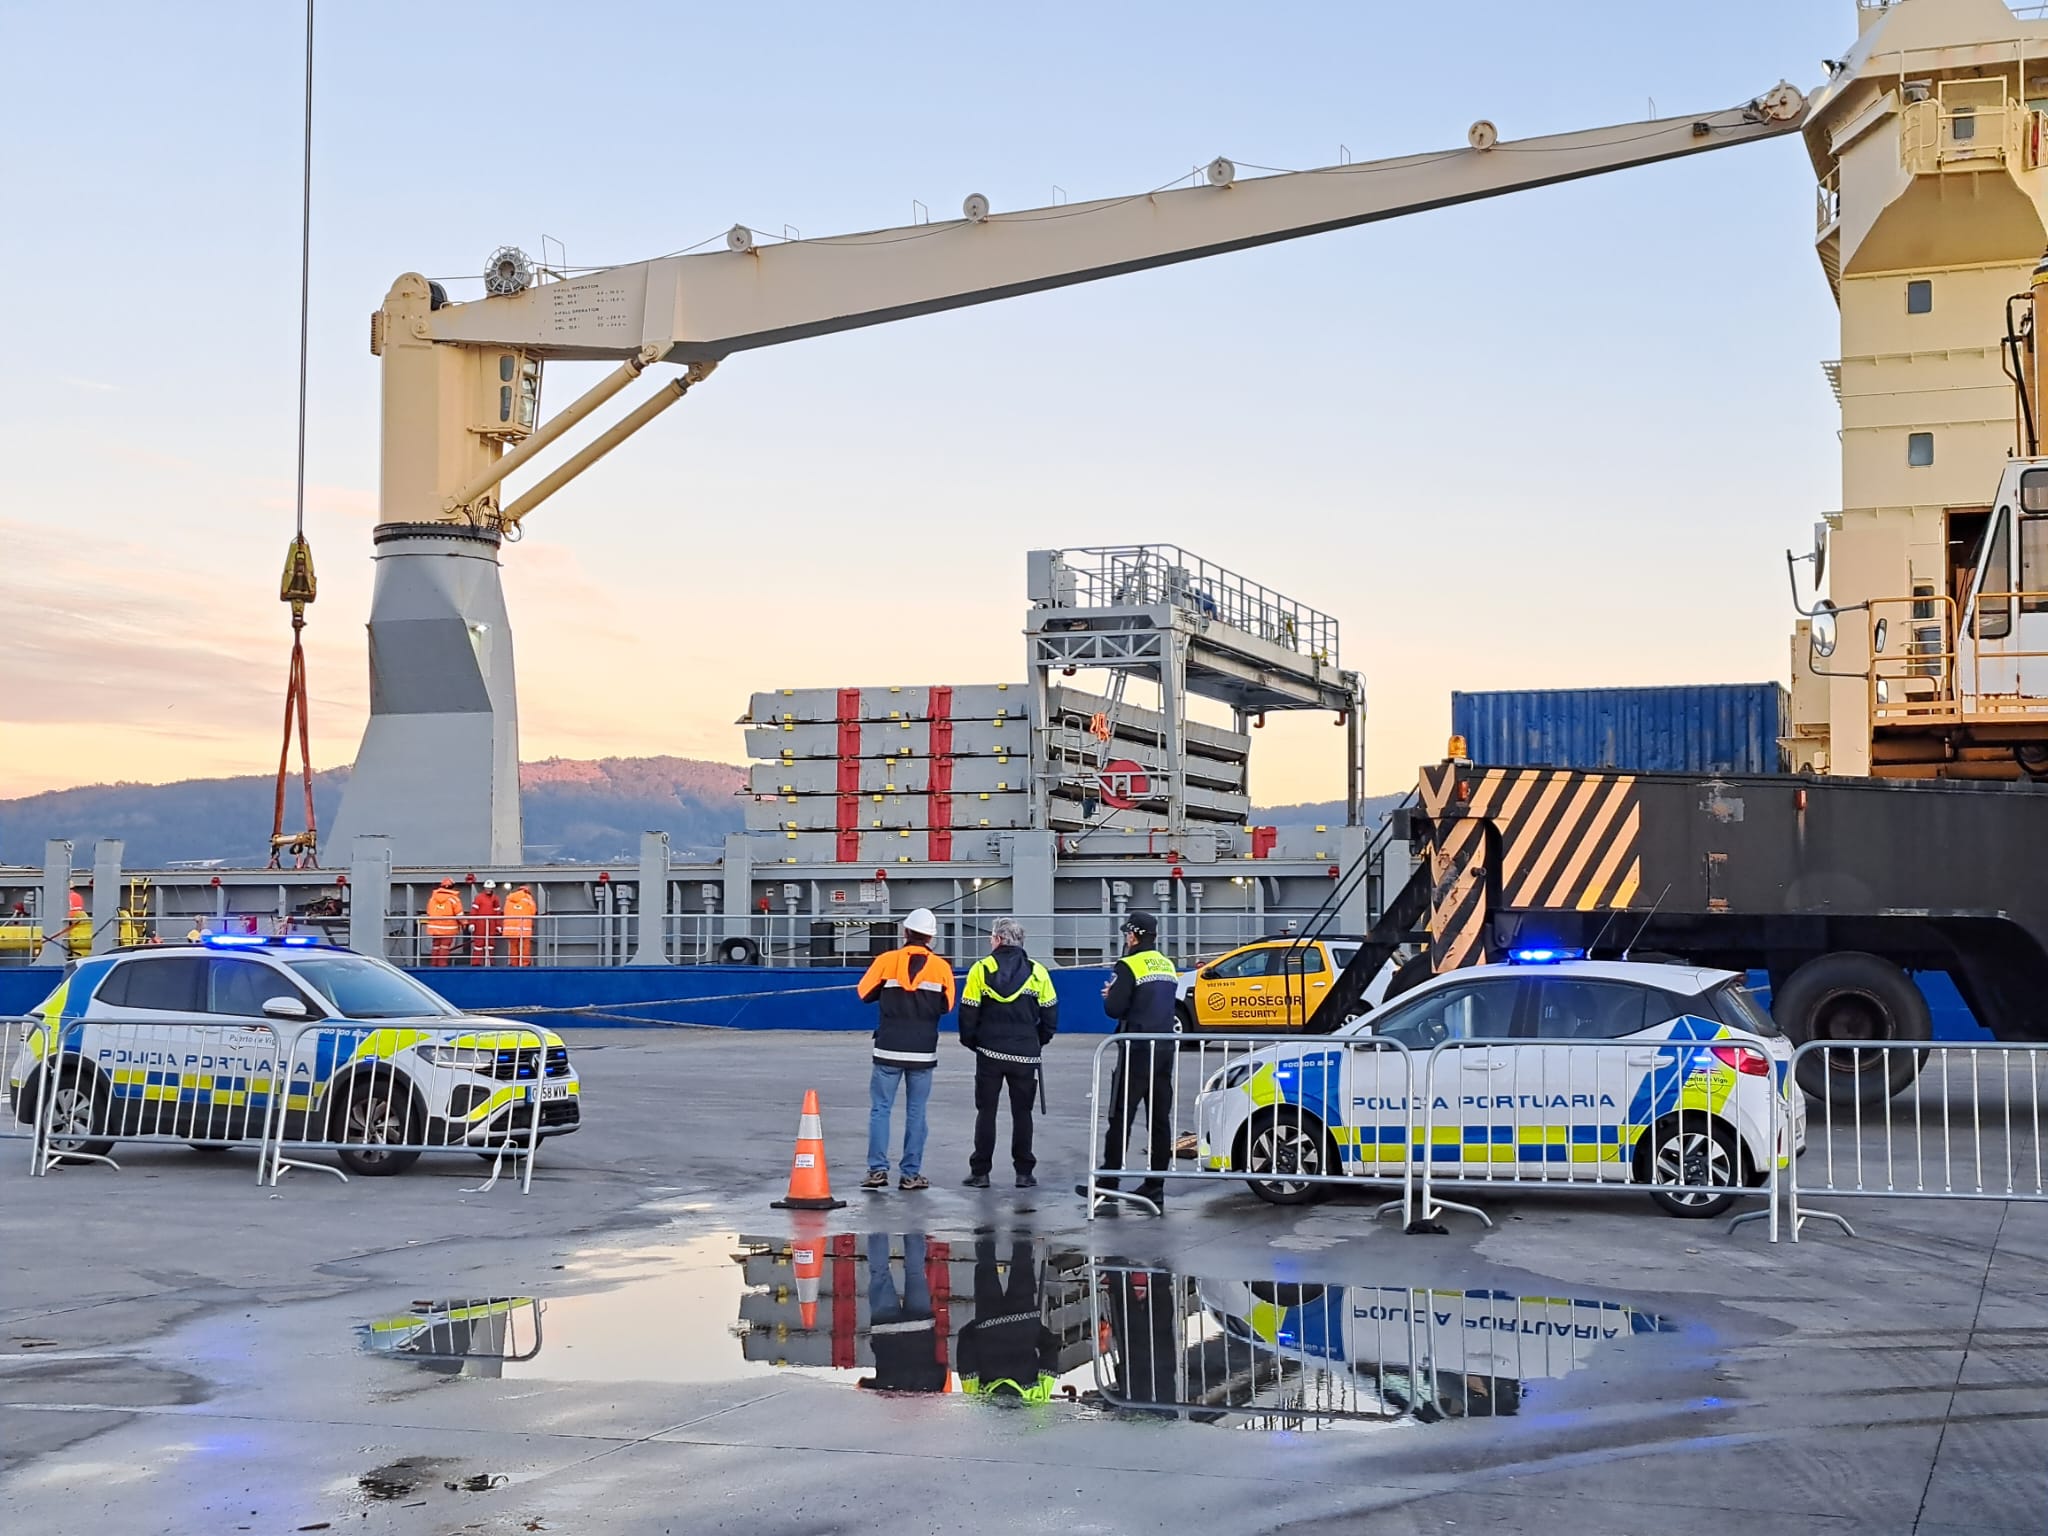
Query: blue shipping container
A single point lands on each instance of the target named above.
(1704, 728)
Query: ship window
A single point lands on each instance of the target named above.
(1919, 297)
(2034, 564)
(2034, 490)
(1963, 126)
(1919, 449)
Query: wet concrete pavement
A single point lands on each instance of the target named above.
(182, 1352)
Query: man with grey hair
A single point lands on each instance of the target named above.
(1008, 1015)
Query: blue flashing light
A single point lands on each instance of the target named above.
(233, 941)
(299, 941)
(1544, 956)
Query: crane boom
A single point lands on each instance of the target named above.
(703, 307)
(438, 766)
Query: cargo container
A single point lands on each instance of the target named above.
(1704, 728)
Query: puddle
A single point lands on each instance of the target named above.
(1012, 1322)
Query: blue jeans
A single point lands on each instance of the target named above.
(916, 1083)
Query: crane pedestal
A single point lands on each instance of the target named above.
(438, 771)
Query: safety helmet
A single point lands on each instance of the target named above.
(448, 885)
(490, 885)
(1143, 925)
(922, 921)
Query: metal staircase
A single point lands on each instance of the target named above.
(1396, 925)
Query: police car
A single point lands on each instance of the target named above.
(1699, 1115)
(388, 1064)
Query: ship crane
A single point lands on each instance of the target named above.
(438, 767)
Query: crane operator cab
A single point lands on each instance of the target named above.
(1957, 681)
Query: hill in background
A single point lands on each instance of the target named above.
(576, 811)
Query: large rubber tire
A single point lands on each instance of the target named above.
(738, 951)
(1283, 1143)
(1853, 996)
(379, 1107)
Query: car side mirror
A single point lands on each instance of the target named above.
(1208, 975)
(285, 1008)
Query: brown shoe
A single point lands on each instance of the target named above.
(913, 1181)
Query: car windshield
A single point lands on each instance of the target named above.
(1737, 1007)
(362, 989)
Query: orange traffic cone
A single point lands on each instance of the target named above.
(809, 1255)
(810, 1187)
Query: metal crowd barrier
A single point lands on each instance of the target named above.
(284, 1090)
(16, 1120)
(1288, 1146)
(1967, 1126)
(361, 1104)
(1550, 1114)
(1624, 1116)
(95, 1086)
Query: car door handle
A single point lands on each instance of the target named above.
(1256, 987)
(1644, 1058)
(1319, 983)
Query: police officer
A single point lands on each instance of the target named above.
(1008, 1015)
(1140, 997)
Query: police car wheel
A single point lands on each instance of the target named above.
(376, 1113)
(75, 1109)
(210, 1146)
(1685, 1151)
(1283, 1144)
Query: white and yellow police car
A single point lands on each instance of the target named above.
(383, 1066)
(1701, 1115)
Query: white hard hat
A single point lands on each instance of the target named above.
(922, 921)
(490, 885)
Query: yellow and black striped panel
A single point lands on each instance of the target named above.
(1566, 839)
(1457, 897)
(1435, 788)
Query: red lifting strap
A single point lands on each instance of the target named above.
(941, 846)
(942, 738)
(849, 813)
(942, 812)
(849, 848)
(849, 775)
(941, 782)
(940, 705)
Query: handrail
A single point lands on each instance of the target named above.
(1319, 921)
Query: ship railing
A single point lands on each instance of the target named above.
(1828, 202)
(1967, 126)
(1155, 575)
(1058, 939)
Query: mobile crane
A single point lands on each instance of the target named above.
(438, 766)
(1839, 889)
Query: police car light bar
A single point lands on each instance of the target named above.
(258, 941)
(1544, 956)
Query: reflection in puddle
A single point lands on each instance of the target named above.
(1018, 1321)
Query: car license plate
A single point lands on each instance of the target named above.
(550, 1091)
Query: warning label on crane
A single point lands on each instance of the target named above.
(1124, 783)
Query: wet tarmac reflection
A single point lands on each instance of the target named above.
(1015, 1321)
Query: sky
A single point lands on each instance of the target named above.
(1556, 439)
